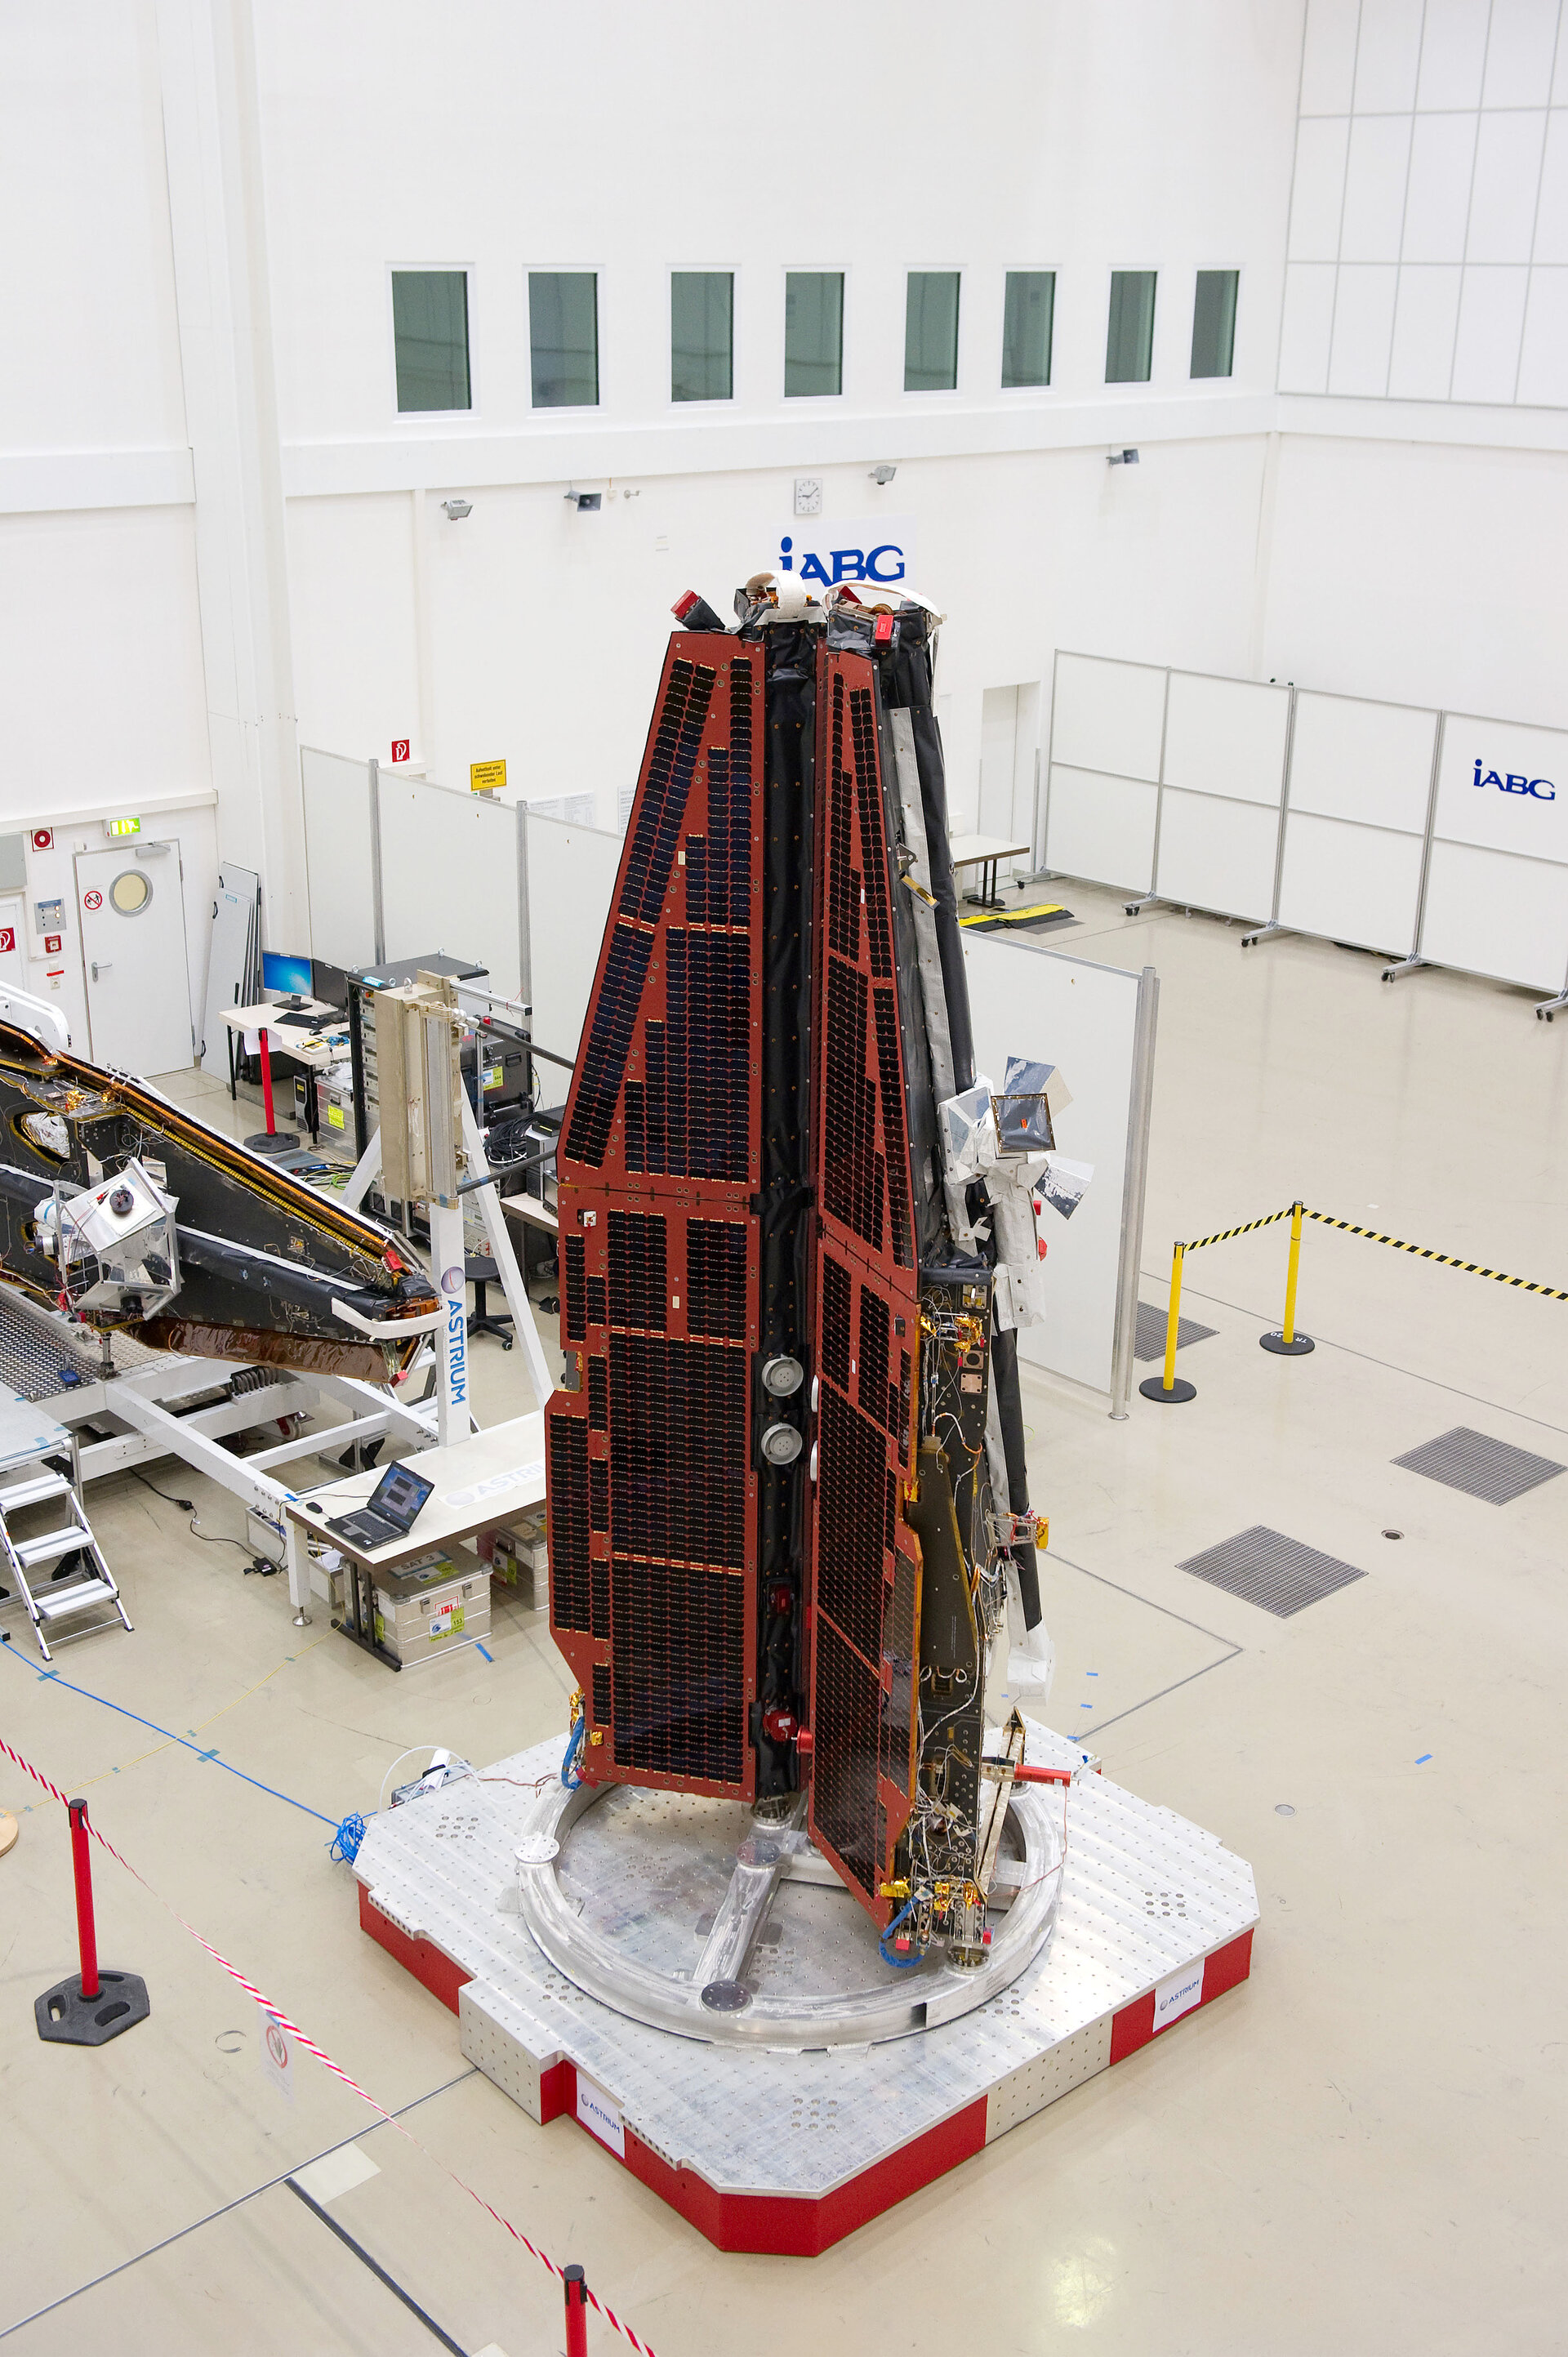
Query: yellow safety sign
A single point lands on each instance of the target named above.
(486, 777)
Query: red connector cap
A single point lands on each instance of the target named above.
(683, 605)
(805, 1742)
(779, 1726)
(883, 633)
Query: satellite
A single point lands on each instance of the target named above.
(120, 1208)
(788, 1500)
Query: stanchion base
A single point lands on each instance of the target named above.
(65, 2018)
(272, 1141)
(1297, 1348)
(1177, 1395)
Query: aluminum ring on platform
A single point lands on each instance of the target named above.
(601, 1831)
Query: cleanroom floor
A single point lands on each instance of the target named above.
(1360, 2148)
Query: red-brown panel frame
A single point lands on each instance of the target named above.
(679, 782)
(590, 1326)
(860, 1154)
(705, 738)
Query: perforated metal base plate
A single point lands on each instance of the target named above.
(790, 2151)
(1482, 1467)
(1264, 1567)
(42, 1356)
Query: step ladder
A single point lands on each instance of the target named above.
(88, 1586)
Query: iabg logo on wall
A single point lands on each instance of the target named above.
(861, 552)
(1514, 781)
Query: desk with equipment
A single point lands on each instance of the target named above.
(444, 1496)
(307, 1030)
(985, 852)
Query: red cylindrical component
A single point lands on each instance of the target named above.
(576, 2313)
(1042, 1775)
(268, 1083)
(86, 1929)
(779, 1726)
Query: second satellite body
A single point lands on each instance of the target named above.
(787, 1499)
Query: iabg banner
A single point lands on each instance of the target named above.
(1503, 787)
(872, 554)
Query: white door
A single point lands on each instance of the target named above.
(13, 953)
(133, 946)
(1008, 728)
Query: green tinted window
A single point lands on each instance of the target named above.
(1026, 327)
(701, 335)
(930, 331)
(430, 329)
(1214, 322)
(814, 331)
(1130, 340)
(563, 329)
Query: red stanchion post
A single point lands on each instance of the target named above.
(92, 2007)
(268, 1083)
(86, 1929)
(576, 2313)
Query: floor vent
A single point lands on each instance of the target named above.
(1265, 1568)
(1150, 1342)
(1482, 1467)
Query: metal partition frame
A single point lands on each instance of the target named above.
(1273, 925)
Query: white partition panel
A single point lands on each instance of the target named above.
(1497, 893)
(1103, 788)
(1216, 854)
(572, 876)
(1488, 913)
(1359, 885)
(1227, 737)
(1222, 793)
(1360, 789)
(339, 861)
(451, 878)
(1030, 1001)
(1101, 828)
(1108, 715)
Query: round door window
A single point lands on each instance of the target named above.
(130, 892)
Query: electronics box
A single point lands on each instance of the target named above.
(431, 1608)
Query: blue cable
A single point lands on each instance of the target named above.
(899, 1964)
(569, 1776)
(344, 1846)
(52, 1677)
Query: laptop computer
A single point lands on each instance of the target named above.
(393, 1506)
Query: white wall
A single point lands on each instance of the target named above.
(547, 627)
(218, 537)
(76, 823)
(1420, 573)
(1429, 215)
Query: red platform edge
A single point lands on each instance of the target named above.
(795, 2225)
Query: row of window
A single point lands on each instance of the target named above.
(430, 321)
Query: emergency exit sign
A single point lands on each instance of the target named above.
(487, 777)
(116, 827)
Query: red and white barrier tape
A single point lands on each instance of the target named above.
(294, 2031)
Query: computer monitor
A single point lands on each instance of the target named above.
(289, 974)
(329, 983)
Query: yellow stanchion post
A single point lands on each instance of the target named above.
(1287, 1343)
(1164, 1387)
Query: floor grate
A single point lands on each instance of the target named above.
(1482, 1467)
(1150, 1342)
(1265, 1568)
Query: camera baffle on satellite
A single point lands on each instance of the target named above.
(787, 1488)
